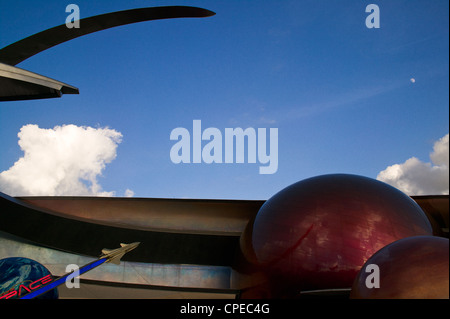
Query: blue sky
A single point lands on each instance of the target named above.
(345, 98)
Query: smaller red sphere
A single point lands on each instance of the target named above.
(410, 268)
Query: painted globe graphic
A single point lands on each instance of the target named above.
(19, 276)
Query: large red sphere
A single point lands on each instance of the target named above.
(317, 233)
(410, 268)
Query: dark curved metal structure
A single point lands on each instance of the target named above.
(188, 216)
(25, 48)
(87, 237)
(19, 84)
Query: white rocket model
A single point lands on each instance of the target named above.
(114, 255)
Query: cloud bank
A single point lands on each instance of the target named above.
(415, 177)
(65, 160)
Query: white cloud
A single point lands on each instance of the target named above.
(129, 193)
(415, 177)
(65, 160)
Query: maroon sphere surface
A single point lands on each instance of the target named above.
(318, 233)
(410, 268)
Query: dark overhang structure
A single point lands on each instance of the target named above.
(19, 84)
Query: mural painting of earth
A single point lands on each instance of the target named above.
(19, 276)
